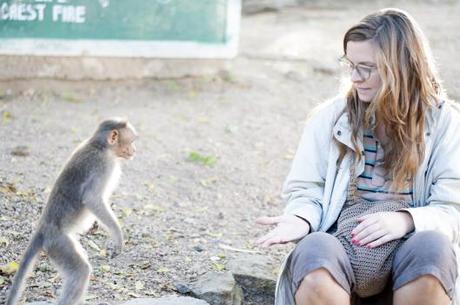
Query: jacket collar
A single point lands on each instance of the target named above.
(342, 132)
(342, 129)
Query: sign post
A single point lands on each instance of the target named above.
(120, 28)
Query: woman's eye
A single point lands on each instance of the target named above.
(364, 69)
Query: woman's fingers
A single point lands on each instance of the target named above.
(288, 228)
(378, 228)
(364, 217)
(366, 231)
(271, 238)
(382, 240)
(266, 237)
(371, 237)
(271, 241)
(366, 222)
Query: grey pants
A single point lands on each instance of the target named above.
(424, 253)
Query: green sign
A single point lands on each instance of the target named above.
(153, 28)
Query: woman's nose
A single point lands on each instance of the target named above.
(355, 77)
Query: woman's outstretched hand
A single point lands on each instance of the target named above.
(376, 229)
(288, 228)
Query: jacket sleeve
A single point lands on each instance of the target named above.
(442, 210)
(304, 186)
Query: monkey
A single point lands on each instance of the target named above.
(79, 196)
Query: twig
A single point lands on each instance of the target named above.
(225, 247)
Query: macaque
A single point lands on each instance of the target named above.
(79, 196)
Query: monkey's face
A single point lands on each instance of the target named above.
(123, 143)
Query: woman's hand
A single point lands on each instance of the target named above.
(379, 228)
(288, 228)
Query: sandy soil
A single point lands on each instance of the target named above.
(247, 120)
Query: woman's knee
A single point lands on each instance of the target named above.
(319, 283)
(320, 251)
(316, 244)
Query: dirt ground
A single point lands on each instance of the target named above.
(243, 124)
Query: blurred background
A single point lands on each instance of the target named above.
(218, 90)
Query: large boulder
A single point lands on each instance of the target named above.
(217, 289)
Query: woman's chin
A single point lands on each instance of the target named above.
(365, 98)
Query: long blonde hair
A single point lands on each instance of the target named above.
(410, 86)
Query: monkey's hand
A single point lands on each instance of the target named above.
(114, 249)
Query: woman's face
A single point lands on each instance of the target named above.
(364, 75)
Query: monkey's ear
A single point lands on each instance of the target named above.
(113, 137)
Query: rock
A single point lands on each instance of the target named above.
(198, 249)
(39, 303)
(253, 272)
(21, 151)
(182, 288)
(218, 289)
(169, 300)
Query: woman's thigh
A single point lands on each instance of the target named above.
(321, 250)
(426, 253)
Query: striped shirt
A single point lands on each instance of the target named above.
(374, 183)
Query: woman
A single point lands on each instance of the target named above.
(394, 138)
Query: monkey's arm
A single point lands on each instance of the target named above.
(93, 200)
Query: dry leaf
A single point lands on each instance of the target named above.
(7, 116)
(218, 267)
(134, 295)
(93, 245)
(163, 270)
(209, 181)
(9, 268)
(126, 211)
(153, 207)
(215, 235)
(4, 242)
(139, 285)
(144, 265)
(150, 186)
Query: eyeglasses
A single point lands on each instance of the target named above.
(364, 71)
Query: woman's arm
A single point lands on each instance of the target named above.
(304, 185)
(442, 212)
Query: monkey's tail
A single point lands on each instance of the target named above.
(26, 265)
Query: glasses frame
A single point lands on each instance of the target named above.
(364, 71)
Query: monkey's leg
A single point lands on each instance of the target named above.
(71, 260)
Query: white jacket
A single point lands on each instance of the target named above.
(315, 188)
